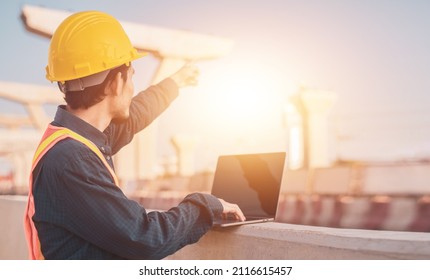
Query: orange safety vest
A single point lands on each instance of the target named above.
(52, 136)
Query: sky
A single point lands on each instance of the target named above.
(374, 54)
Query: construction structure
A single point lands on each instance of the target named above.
(138, 160)
(21, 134)
(307, 121)
(316, 191)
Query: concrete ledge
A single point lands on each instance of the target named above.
(255, 241)
(12, 239)
(287, 241)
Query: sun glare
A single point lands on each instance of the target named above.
(245, 106)
(242, 97)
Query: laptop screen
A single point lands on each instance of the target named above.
(252, 181)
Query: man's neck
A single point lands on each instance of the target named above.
(94, 115)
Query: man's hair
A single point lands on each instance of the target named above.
(90, 96)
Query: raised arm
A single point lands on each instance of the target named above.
(149, 104)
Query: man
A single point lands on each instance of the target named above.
(75, 208)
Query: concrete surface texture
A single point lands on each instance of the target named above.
(255, 241)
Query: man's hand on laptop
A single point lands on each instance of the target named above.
(230, 209)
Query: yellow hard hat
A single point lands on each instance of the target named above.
(87, 43)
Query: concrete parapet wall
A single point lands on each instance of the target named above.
(12, 238)
(286, 241)
(255, 241)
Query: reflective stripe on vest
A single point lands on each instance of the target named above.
(52, 136)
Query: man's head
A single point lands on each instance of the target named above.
(89, 51)
(85, 97)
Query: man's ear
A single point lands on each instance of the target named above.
(114, 86)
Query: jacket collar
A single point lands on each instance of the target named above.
(66, 119)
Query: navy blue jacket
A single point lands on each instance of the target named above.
(82, 214)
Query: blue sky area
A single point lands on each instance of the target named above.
(374, 54)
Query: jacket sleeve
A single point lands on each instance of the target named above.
(145, 108)
(98, 211)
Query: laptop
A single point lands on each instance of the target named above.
(253, 182)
